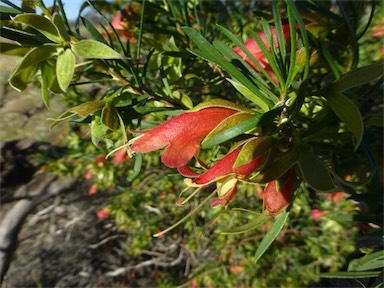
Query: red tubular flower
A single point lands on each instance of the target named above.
(316, 214)
(226, 173)
(276, 201)
(121, 156)
(225, 167)
(256, 51)
(182, 134)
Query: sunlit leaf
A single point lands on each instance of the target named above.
(271, 235)
(65, 68)
(41, 24)
(249, 124)
(94, 49)
(98, 130)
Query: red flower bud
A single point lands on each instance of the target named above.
(276, 201)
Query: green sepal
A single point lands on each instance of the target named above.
(253, 149)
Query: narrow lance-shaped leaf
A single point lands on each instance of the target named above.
(277, 168)
(314, 171)
(40, 23)
(65, 68)
(347, 111)
(109, 117)
(358, 77)
(210, 53)
(47, 76)
(271, 235)
(94, 49)
(58, 21)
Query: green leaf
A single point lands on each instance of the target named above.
(9, 10)
(261, 219)
(87, 108)
(25, 71)
(109, 117)
(314, 172)
(19, 81)
(271, 235)
(94, 49)
(136, 167)
(347, 111)
(47, 76)
(65, 68)
(98, 130)
(277, 168)
(253, 149)
(351, 274)
(58, 21)
(358, 77)
(94, 32)
(371, 261)
(232, 132)
(13, 49)
(249, 94)
(41, 24)
(210, 53)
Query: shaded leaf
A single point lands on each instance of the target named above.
(87, 108)
(94, 49)
(58, 21)
(314, 172)
(358, 77)
(109, 117)
(13, 49)
(65, 68)
(347, 111)
(277, 168)
(24, 72)
(47, 76)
